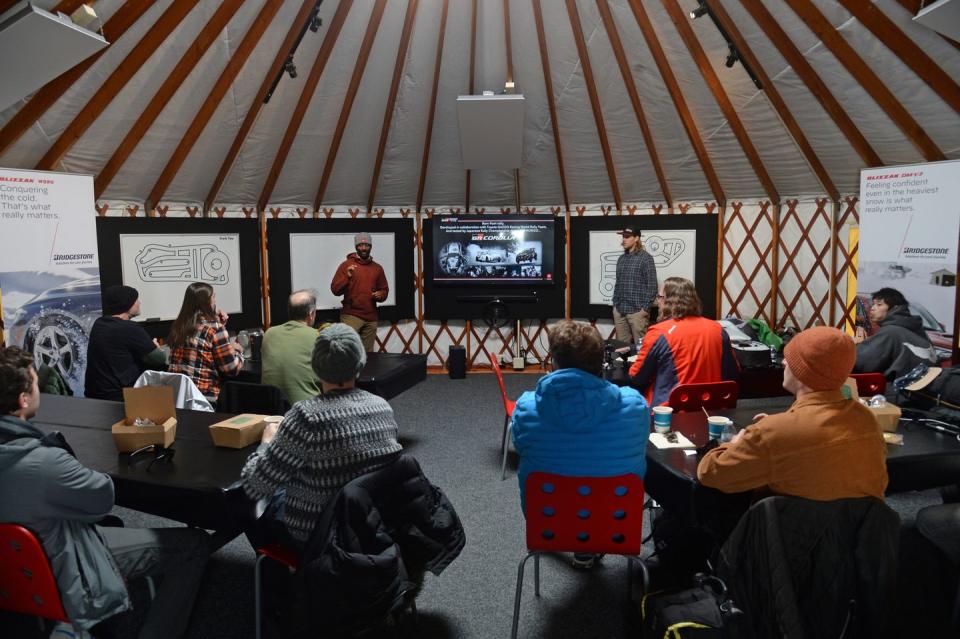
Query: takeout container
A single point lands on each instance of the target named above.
(149, 402)
(888, 415)
(239, 431)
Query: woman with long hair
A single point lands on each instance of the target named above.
(683, 347)
(199, 343)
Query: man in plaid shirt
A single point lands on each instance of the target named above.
(635, 289)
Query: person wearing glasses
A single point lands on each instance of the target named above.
(683, 348)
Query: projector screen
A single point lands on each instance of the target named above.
(314, 258)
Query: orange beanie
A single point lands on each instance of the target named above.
(821, 357)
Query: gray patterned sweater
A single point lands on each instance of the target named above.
(322, 444)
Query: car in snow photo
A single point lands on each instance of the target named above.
(54, 327)
(489, 256)
(527, 255)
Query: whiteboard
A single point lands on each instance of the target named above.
(673, 251)
(314, 258)
(162, 266)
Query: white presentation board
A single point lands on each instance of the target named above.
(161, 266)
(314, 258)
(673, 252)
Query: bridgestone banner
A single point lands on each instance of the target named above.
(49, 271)
(909, 231)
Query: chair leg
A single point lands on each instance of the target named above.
(516, 598)
(505, 448)
(256, 596)
(503, 438)
(643, 570)
(536, 574)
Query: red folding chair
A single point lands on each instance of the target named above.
(27, 584)
(690, 397)
(508, 406)
(582, 515)
(870, 384)
(277, 553)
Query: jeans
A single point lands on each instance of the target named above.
(178, 556)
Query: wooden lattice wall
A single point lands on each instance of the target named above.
(786, 264)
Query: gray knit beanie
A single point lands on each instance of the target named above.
(338, 354)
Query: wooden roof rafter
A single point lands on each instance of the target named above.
(584, 56)
(892, 37)
(776, 100)
(681, 22)
(204, 40)
(551, 102)
(250, 40)
(814, 84)
(631, 86)
(428, 135)
(303, 15)
(683, 110)
(95, 106)
(124, 18)
(408, 19)
(306, 94)
(373, 25)
(867, 79)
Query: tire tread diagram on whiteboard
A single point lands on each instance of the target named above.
(183, 263)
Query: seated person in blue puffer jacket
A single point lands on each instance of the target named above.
(575, 423)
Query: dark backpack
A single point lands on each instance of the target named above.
(703, 611)
(941, 396)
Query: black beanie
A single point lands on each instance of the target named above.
(118, 299)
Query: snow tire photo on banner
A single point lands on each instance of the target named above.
(49, 270)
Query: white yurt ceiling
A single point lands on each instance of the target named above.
(627, 101)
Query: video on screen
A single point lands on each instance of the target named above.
(492, 250)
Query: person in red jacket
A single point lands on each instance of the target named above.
(363, 284)
(683, 348)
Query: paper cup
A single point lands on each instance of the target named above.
(715, 425)
(661, 418)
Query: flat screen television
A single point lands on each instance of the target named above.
(493, 250)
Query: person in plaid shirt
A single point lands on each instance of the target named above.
(200, 345)
(635, 289)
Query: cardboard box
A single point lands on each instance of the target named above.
(239, 431)
(150, 402)
(887, 416)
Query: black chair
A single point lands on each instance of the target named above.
(261, 399)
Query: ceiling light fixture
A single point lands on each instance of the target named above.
(700, 11)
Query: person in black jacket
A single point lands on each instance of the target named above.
(899, 344)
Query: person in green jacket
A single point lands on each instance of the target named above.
(287, 349)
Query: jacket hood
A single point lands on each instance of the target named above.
(901, 317)
(27, 439)
(356, 258)
(576, 400)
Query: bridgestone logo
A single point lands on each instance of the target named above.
(62, 257)
(925, 251)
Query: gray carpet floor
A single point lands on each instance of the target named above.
(453, 428)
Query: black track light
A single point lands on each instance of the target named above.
(316, 23)
(732, 58)
(290, 67)
(701, 10)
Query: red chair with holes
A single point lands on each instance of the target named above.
(508, 406)
(691, 397)
(870, 384)
(582, 515)
(27, 584)
(277, 553)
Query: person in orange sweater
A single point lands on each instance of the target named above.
(682, 348)
(363, 284)
(824, 447)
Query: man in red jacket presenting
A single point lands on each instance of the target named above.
(362, 283)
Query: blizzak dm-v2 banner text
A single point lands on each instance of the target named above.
(49, 272)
